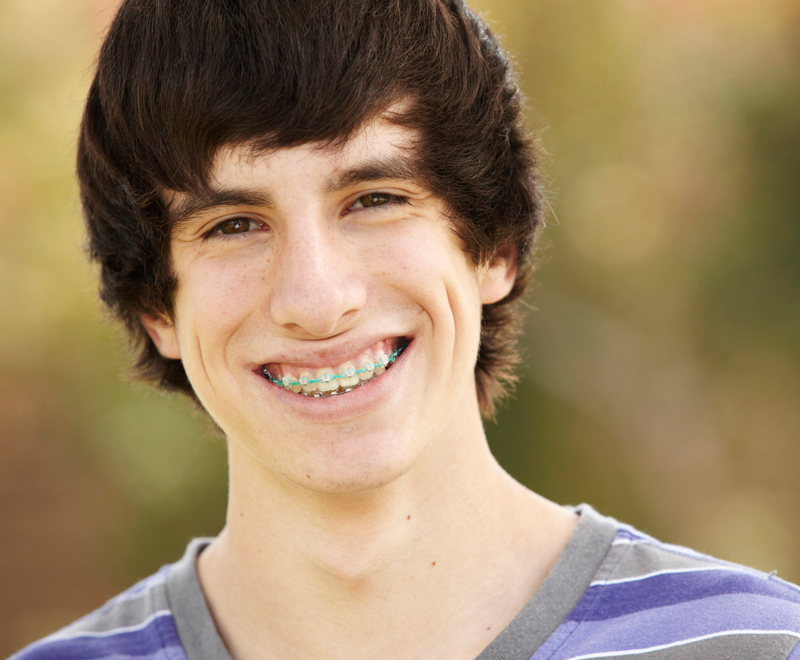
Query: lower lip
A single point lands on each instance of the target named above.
(338, 407)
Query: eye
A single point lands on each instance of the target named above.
(233, 226)
(374, 199)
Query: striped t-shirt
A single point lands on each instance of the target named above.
(613, 593)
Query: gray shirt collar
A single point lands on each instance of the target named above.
(544, 612)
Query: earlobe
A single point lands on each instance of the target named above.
(163, 335)
(498, 279)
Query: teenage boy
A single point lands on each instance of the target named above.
(315, 217)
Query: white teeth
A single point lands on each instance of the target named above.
(381, 363)
(335, 380)
(348, 377)
(368, 367)
(305, 383)
(327, 382)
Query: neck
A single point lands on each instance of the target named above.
(330, 568)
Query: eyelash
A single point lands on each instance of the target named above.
(216, 230)
(392, 200)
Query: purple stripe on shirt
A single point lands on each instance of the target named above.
(614, 600)
(156, 641)
(691, 619)
(630, 534)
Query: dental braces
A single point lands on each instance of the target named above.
(384, 361)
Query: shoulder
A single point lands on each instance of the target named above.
(641, 573)
(656, 600)
(138, 622)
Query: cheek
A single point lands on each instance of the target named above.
(427, 265)
(214, 300)
(422, 249)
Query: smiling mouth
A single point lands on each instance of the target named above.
(344, 377)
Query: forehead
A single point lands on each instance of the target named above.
(248, 174)
(380, 145)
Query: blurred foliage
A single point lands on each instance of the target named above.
(663, 377)
(663, 382)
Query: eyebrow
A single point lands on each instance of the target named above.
(211, 199)
(397, 167)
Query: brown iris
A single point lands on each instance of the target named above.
(375, 199)
(234, 226)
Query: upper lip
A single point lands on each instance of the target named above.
(317, 355)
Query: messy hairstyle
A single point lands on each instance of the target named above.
(177, 80)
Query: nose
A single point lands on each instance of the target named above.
(318, 288)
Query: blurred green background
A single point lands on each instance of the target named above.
(663, 377)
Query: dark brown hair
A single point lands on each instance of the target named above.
(177, 80)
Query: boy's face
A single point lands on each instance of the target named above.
(309, 264)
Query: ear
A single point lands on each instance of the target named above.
(497, 279)
(163, 334)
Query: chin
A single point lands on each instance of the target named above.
(348, 467)
(348, 484)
